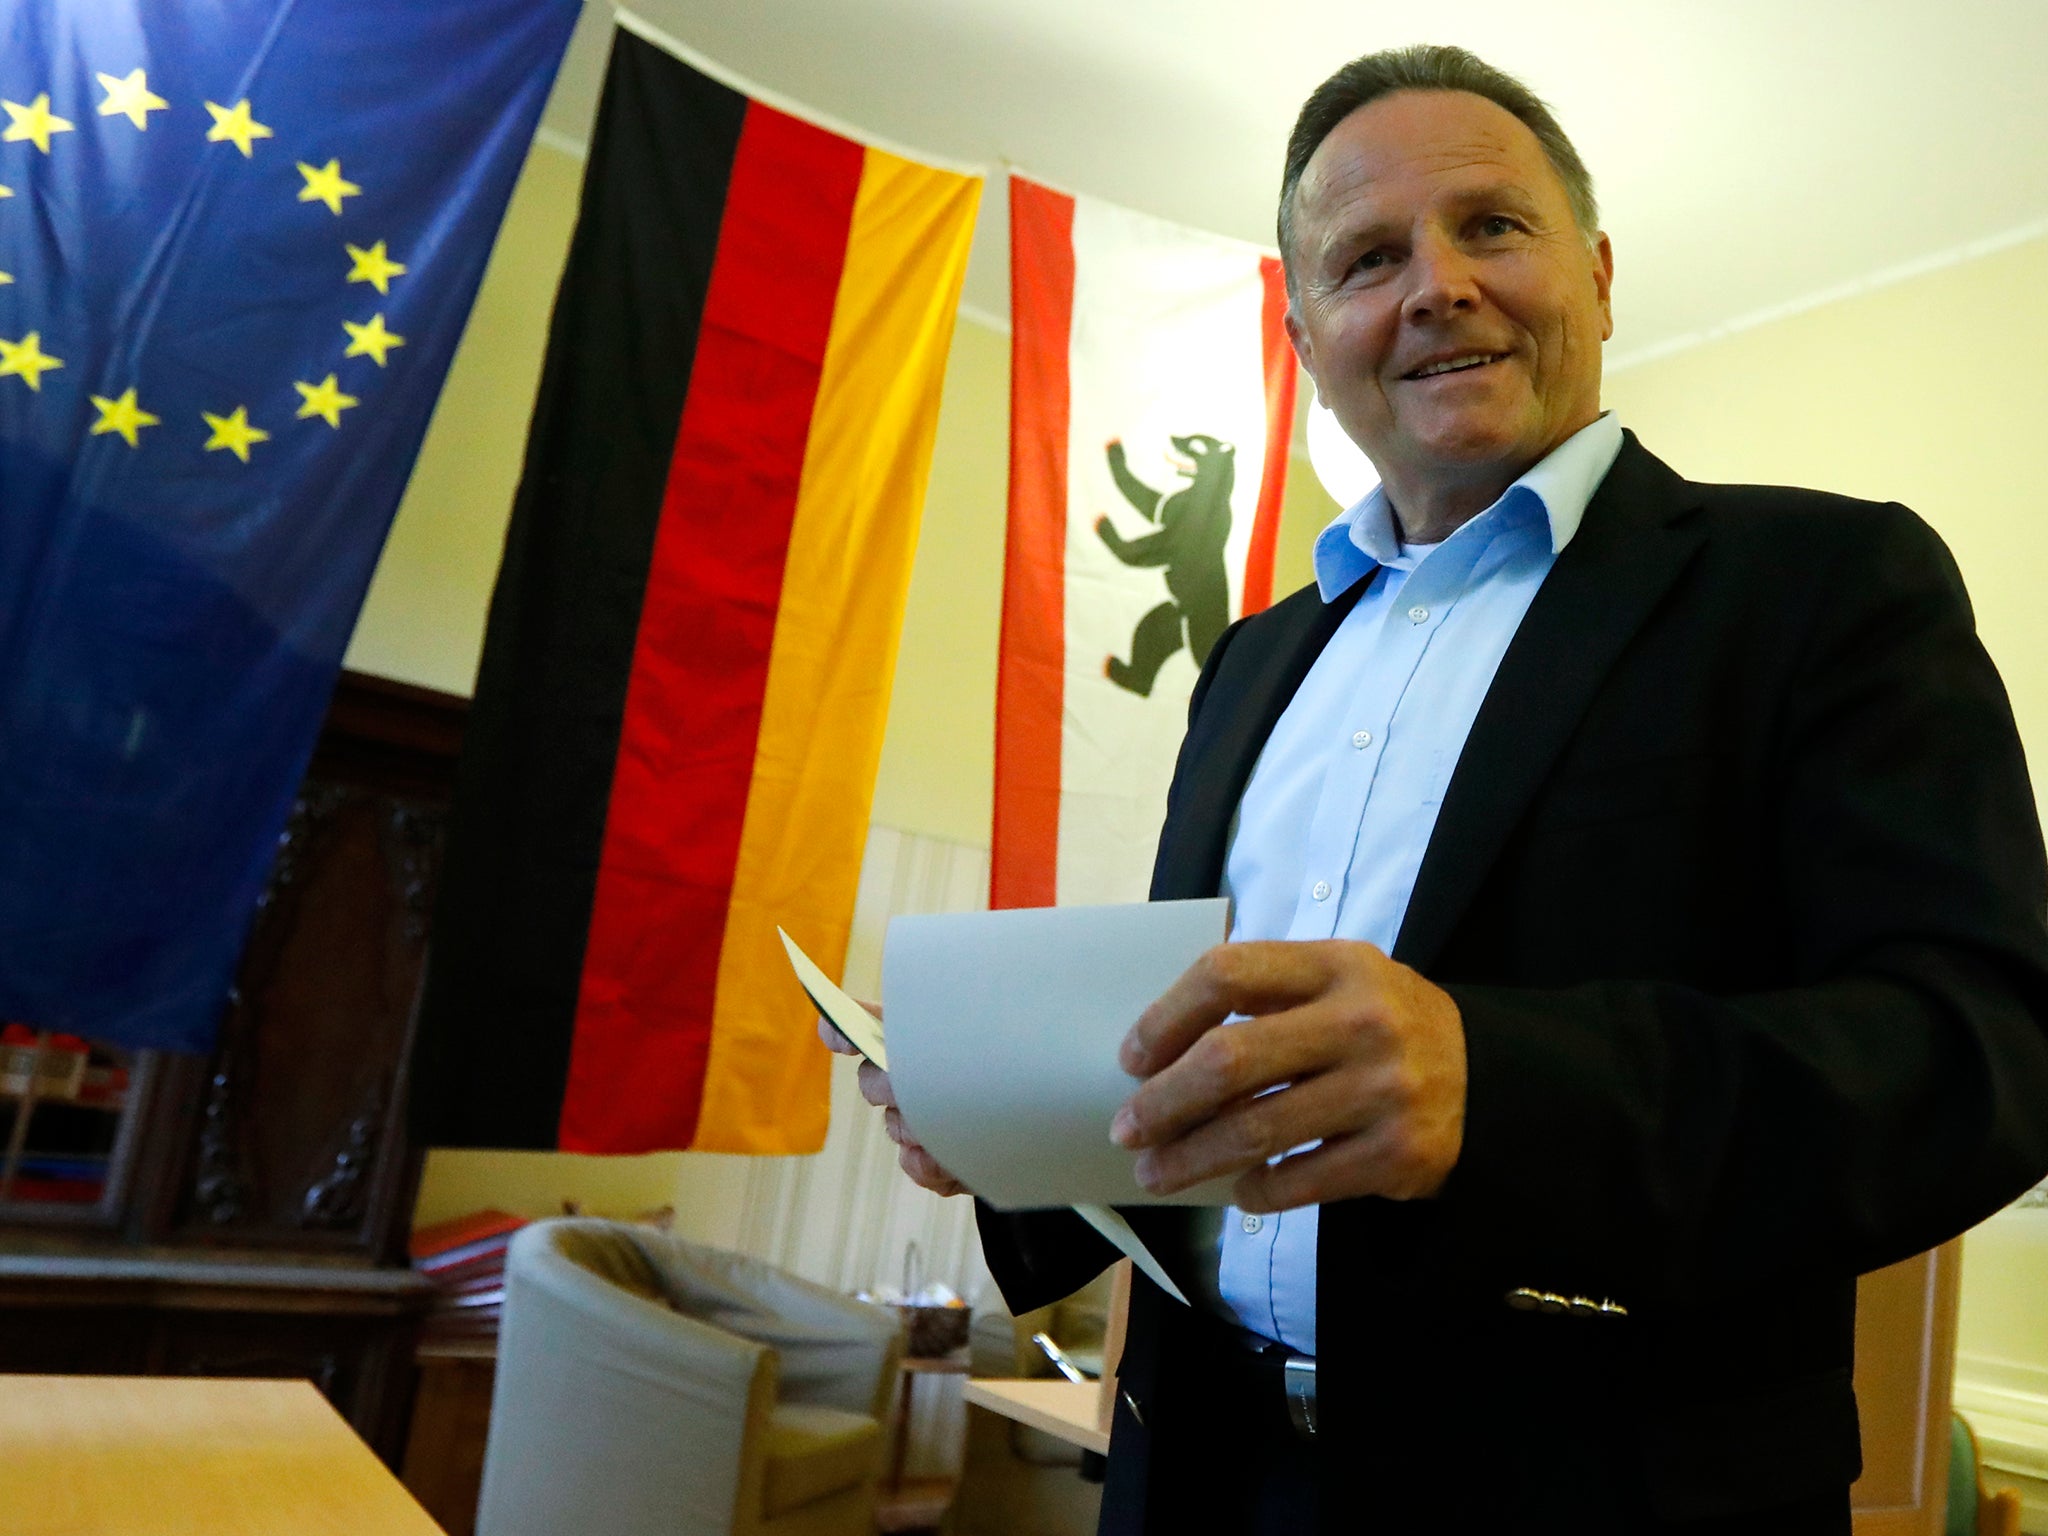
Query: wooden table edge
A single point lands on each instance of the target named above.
(1067, 1409)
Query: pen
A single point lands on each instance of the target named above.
(1058, 1357)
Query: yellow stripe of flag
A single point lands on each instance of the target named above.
(834, 656)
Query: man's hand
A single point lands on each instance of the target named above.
(1371, 1053)
(923, 1168)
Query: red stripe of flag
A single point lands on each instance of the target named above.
(1278, 354)
(700, 660)
(1030, 687)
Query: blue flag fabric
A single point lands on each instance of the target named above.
(240, 239)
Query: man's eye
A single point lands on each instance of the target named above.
(1371, 261)
(1496, 225)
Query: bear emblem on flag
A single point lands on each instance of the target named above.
(1193, 534)
(1152, 404)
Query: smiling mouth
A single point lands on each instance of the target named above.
(1463, 364)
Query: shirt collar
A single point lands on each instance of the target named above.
(1562, 482)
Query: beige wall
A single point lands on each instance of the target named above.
(537, 1183)
(2005, 1292)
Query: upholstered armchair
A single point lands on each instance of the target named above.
(653, 1387)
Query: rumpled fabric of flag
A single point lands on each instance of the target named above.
(238, 242)
(679, 711)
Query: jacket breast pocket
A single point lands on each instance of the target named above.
(1792, 1440)
(1630, 790)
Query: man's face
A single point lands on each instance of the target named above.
(1430, 229)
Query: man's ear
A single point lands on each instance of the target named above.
(1297, 337)
(1603, 285)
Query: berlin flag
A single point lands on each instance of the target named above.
(679, 711)
(1152, 398)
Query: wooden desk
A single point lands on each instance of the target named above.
(181, 1456)
(1072, 1410)
(1078, 1412)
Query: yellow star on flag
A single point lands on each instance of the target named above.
(324, 400)
(6, 278)
(372, 266)
(233, 432)
(130, 97)
(34, 122)
(233, 125)
(123, 416)
(6, 191)
(26, 359)
(370, 340)
(325, 185)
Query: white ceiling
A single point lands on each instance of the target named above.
(1749, 154)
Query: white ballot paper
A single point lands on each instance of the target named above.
(1015, 1021)
(1003, 1032)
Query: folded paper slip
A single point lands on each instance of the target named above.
(1005, 1026)
(1003, 1030)
(864, 1030)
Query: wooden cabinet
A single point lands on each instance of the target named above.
(1905, 1369)
(247, 1212)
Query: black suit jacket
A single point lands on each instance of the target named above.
(1739, 888)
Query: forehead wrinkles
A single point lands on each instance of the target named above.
(1360, 174)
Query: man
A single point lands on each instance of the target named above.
(1637, 922)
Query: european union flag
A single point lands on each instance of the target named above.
(238, 242)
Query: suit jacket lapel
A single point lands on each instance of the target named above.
(1628, 551)
(1246, 699)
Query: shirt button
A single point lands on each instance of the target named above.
(1361, 739)
(1320, 890)
(1418, 614)
(1253, 1223)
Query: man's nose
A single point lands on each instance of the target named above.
(1443, 280)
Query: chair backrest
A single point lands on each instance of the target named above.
(1973, 1509)
(1961, 1519)
(612, 1411)
(833, 1351)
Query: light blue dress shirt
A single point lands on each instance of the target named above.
(1332, 826)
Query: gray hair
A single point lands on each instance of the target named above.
(1427, 67)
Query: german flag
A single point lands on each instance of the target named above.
(679, 711)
